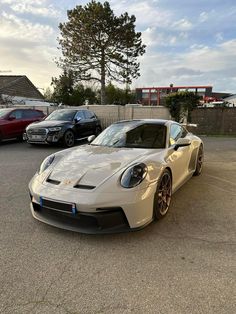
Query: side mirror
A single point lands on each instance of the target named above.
(181, 142)
(11, 118)
(91, 138)
(77, 120)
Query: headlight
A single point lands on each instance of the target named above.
(46, 163)
(57, 128)
(133, 176)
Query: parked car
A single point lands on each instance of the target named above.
(122, 181)
(14, 121)
(64, 126)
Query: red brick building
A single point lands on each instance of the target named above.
(155, 96)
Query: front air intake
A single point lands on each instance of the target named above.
(84, 187)
(55, 182)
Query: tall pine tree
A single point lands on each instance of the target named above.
(97, 45)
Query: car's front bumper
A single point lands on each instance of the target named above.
(95, 212)
(49, 138)
(112, 220)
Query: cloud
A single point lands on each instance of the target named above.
(12, 26)
(219, 36)
(208, 58)
(201, 65)
(28, 48)
(37, 2)
(187, 43)
(35, 62)
(182, 25)
(37, 7)
(147, 13)
(156, 38)
(203, 17)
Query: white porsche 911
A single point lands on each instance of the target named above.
(122, 180)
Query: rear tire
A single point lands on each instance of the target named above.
(162, 196)
(68, 139)
(199, 162)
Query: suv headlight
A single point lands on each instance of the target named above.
(133, 175)
(46, 163)
(56, 129)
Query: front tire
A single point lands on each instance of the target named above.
(68, 139)
(199, 162)
(163, 194)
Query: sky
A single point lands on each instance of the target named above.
(189, 42)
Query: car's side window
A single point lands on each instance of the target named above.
(79, 115)
(16, 114)
(176, 132)
(27, 114)
(89, 114)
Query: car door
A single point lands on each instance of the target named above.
(90, 120)
(80, 125)
(179, 158)
(15, 123)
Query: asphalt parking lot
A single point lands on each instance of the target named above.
(185, 263)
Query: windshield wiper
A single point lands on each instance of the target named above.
(117, 141)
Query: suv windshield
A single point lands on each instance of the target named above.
(132, 135)
(62, 115)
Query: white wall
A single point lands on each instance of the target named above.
(112, 113)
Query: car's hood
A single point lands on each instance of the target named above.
(92, 165)
(47, 124)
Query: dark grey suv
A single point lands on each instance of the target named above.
(64, 126)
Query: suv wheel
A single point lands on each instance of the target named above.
(69, 139)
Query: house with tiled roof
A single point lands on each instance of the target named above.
(18, 86)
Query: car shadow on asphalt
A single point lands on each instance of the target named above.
(9, 142)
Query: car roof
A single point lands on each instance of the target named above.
(147, 121)
(72, 109)
(14, 109)
(26, 109)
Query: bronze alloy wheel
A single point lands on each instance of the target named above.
(69, 139)
(199, 163)
(163, 195)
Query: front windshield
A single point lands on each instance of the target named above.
(131, 135)
(3, 112)
(62, 115)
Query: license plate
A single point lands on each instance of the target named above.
(58, 206)
(36, 137)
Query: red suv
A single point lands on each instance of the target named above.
(14, 121)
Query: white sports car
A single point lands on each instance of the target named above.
(122, 180)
